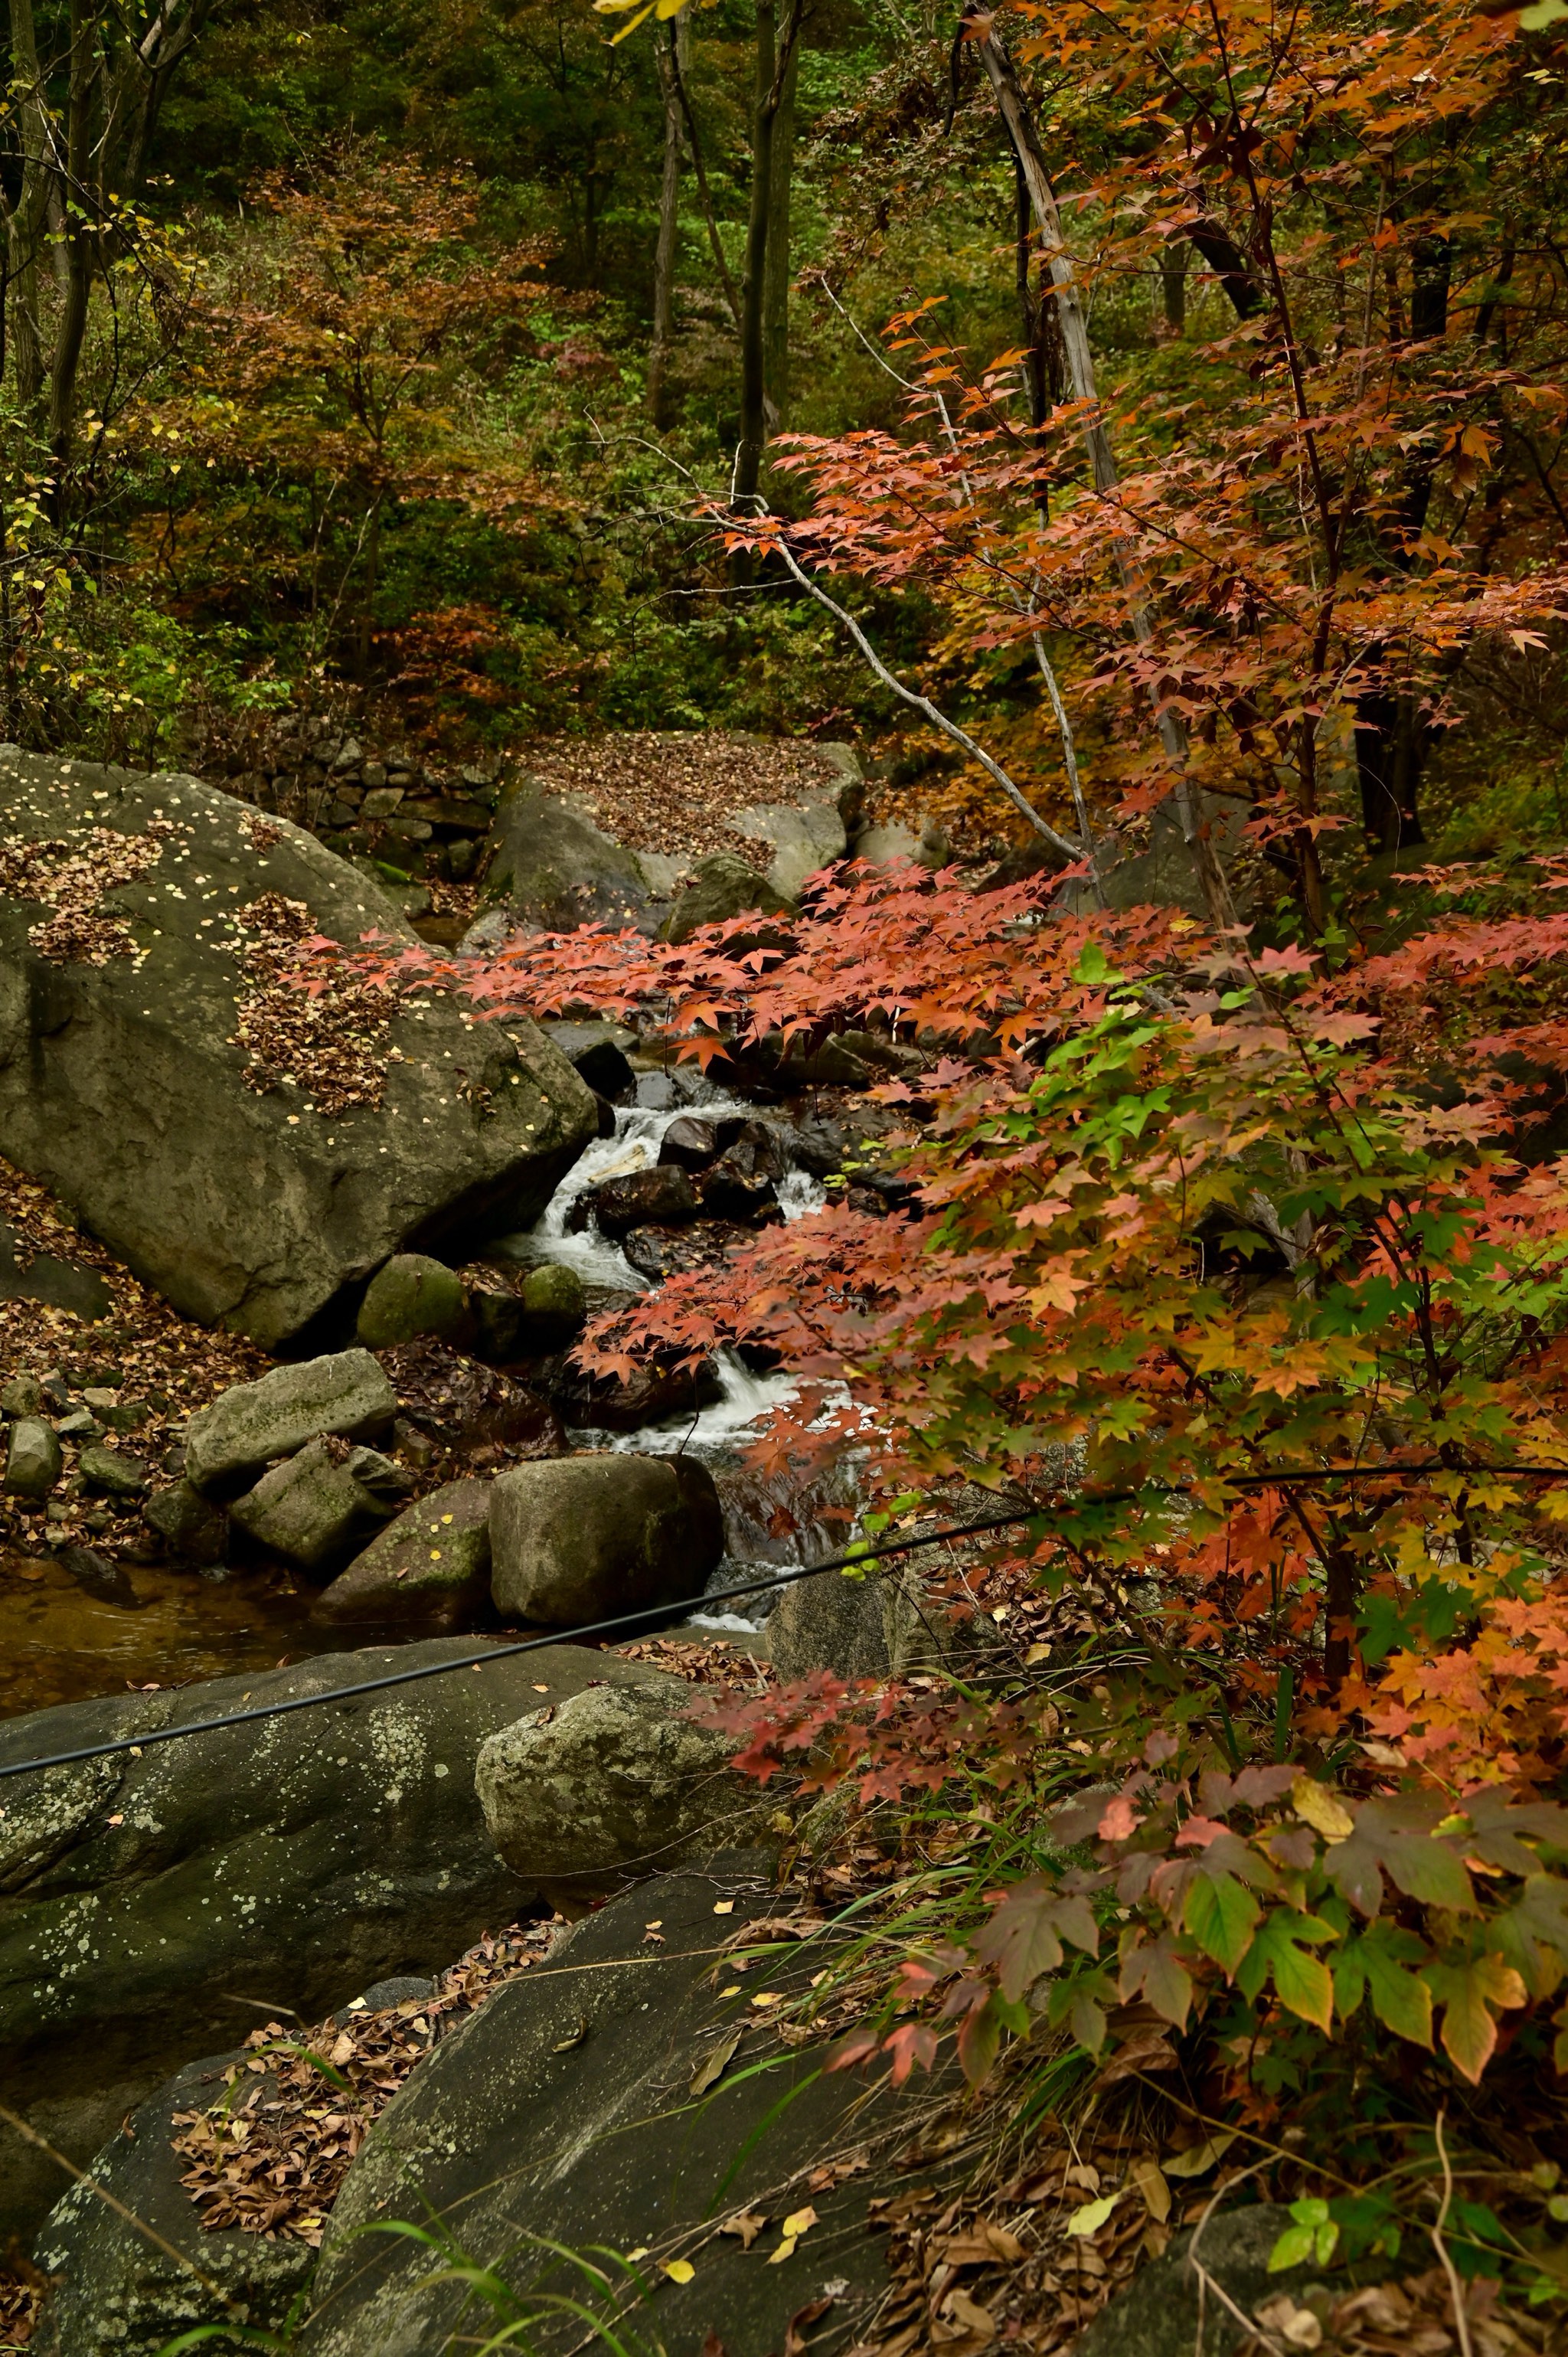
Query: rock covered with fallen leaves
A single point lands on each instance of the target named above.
(252, 1148)
(151, 1902)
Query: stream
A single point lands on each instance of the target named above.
(65, 1636)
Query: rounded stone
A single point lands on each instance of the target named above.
(553, 1297)
(412, 1296)
(576, 1539)
(33, 1458)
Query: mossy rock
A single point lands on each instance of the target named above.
(412, 1296)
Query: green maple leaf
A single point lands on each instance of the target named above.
(1223, 1916)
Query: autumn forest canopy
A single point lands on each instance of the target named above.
(1139, 429)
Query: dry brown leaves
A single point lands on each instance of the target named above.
(145, 1352)
(675, 794)
(21, 2298)
(699, 1663)
(268, 2157)
(971, 2271)
(469, 1409)
(1413, 2318)
(70, 873)
(330, 1040)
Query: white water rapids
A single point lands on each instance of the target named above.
(717, 1433)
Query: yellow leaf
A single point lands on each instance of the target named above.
(1094, 2214)
(677, 2270)
(723, 1907)
(1317, 1806)
(798, 2223)
(1201, 2158)
(786, 2250)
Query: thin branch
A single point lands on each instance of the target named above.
(1439, 2244)
(923, 704)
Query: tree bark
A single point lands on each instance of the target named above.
(775, 290)
(668, 228)
(1173, 290)
(1392, 737)
(775, 48)
(1017, 115)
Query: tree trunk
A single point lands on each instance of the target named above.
(775, 50)
(775, 290)
(1173, 290)
(754, 282)
(1392, 737)
(1025, 138)
(669, 227)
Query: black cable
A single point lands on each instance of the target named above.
(657, 1616)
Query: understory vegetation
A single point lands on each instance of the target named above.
(1141, 430)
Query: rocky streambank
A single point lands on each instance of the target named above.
(393, 1966)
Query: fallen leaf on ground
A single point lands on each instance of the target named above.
(1201, 2158)
(747, 2224)
(1150, 2180)
(801, 2222)
(1094, 2214)
(794, 2332)
(715, 2062)
(680, 2271)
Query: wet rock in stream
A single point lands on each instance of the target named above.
(578, 1539)
(430, 1568)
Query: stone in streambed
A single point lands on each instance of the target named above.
(111, 1474)
(662, 1196)
(134, 1023)
(310, 1510)
(189, 1525)
(432, 1566)
(253, 1424)
(724, 887)
(648, 1395)
(614, 1783)
(690, 1143)
(33, 1458)
(543, 1315)
(413, 1295)
(577, 1539)
(597, 1050)
(555, 1304)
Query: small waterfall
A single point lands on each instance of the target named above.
(717, 1433)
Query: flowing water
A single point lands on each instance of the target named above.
(156, 1624)
(717, 1433)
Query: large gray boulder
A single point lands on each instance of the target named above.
(150, 1907)
(144, 922)
(552, 869)
(562, 2108)
(618, 1782)
(250, 1425)
(810, 831)
(118, 2292)
(875, 1626)
(575, 1539)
